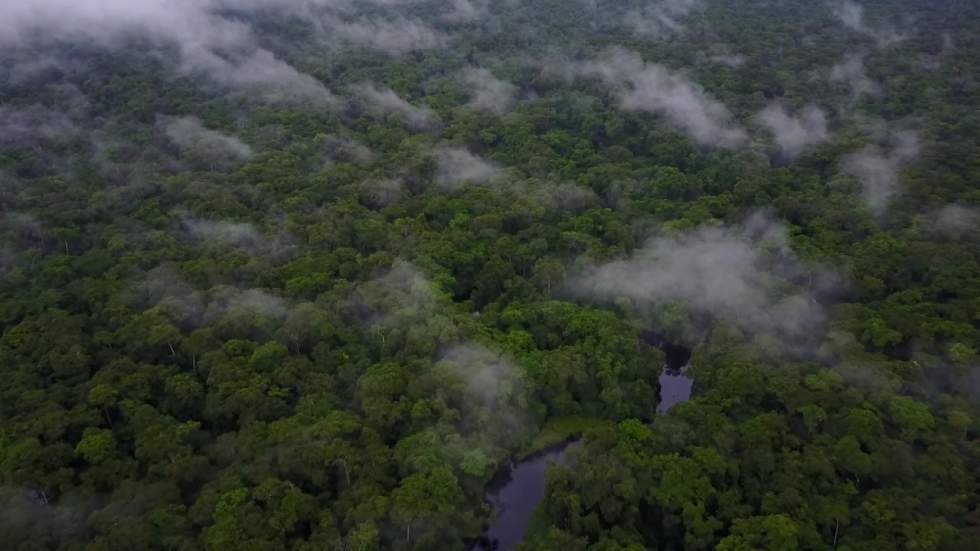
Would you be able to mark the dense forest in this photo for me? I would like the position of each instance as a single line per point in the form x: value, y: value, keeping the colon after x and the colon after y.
x: 306, y: 274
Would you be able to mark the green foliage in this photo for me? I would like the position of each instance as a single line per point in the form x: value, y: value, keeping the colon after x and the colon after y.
x: 321, y: 345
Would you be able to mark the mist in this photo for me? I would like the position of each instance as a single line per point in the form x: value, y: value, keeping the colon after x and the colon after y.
x: 792, y: 133
x: 32, y: 124
x: 457, y: 166
x: 465, y: 10
x: 741, y: 274
x: 163, y: 287
x: 651, y: 87
x: 851, y: 15
x: 489, y: 93
x: 386, y: 101
x: 660, y: 19
x: 493, y: 382
x: 236, y: 234
x: 490, y: 376
x: 224, y: 50
x: 877, y: 168
x: 728, y: 60
x: 851, y: 72
x: 392, y: 36
x: 192, y: 137
x: 381, y: 193
x: 956, y: 220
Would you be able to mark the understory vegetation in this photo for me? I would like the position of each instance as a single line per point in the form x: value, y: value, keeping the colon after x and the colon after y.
x: 306, y: 275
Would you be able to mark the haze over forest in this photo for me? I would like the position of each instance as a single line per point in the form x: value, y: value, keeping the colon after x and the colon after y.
x: 308, y: 274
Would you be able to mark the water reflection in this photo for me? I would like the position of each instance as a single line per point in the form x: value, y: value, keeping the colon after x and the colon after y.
x: 516, y: 492
x: 675, y: 387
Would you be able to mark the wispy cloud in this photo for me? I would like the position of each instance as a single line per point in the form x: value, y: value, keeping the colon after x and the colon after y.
x: 385, y: 100
x: 642, y: 86
x: 851, y: 71
x: 393, y: 36
x: 206, y: 43
x: 489, y: 93
x: 852, y: 16
x: 878, y: 168
x: 957, y: 220
x: 661, y: 18
x: 29, y: 125
x: 792, y: 133
x: 191, y: 136
x: 457, y: 166
x: 739, y: 274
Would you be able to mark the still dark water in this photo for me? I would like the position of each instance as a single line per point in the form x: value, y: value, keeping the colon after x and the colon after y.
x: 514, y: 494
x: 516, y: 491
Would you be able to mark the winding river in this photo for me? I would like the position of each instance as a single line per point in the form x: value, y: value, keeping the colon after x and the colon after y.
x: 516, y: 491
x: 514, y: 494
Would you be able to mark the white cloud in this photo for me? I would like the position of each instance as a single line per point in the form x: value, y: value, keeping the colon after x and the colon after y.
x: 385, y: 100
x: 457, y: 166
x: 393, y: 36
x: 793, y: 134
x: 237, y: 234
x: 852, y: 72
x: 729, y: 60
x: 851, y: 15
x: 660, y: 19
x: 33, y: 123
x: 878, y: 168
x: 207, y: 43
x: 735, y: 273
x: 188, y: 134
x: 489, y: 92
x: 957, y: 220
x: 652, y: 87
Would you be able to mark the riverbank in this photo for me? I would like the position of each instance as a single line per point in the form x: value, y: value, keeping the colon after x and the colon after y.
x: 558, y: 430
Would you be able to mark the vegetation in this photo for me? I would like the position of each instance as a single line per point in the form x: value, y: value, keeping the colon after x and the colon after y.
x: 306, y: 278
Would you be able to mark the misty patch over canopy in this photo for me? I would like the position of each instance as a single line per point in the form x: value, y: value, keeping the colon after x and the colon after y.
x: 851, y: 72
x: 240, y: 235
x: 26, y: 510
x: 492, y: 397
x: 192, y: 137
x: 851, y: 14
x: 466, y: 10
x: 878, y: 168
x: 403, y: 311
x: 261, y: 71
x: 489, y: 93
x: 382, y: 192
x: 396, y: 299
x: 19, y: 233
x: 956, y: 220
x: 225, y: 299
x: 386, y: 101
x: 490, y: 376
x: 237, y: 234
x: 792, y: 133
x: 163, y: 288
x: 661, y: 18
x: 395, y: 36
x: 741, y: 274
x: 343, y: 148
x: 642, y: 86
x: 32, y: 124
x: 456, y: 166
x: 207, y: 43
x: 728, y: 60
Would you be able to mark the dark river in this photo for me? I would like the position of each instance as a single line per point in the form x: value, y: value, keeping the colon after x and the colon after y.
x: 516, y: 491
x: 675, y: 385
